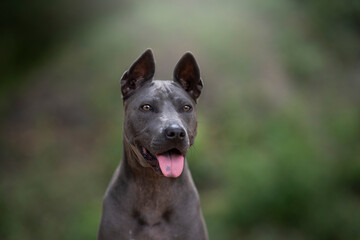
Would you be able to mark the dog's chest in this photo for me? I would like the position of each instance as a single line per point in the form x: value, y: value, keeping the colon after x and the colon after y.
x: 153, y: 212
x: 152, y: 206
x: 149, y: 216
x: 153, y: 223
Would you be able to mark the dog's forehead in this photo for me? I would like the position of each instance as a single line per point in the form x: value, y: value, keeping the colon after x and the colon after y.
x: 162, y: 86
x: 164, y: 90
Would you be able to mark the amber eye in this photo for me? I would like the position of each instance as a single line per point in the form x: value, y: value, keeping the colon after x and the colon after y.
x: 186, y: 108
x: 146, y: 107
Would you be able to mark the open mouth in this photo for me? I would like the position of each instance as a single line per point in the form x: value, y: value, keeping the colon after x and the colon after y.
x: 169, y: 163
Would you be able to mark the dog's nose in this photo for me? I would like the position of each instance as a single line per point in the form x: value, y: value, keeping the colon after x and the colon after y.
x: 174, y: 131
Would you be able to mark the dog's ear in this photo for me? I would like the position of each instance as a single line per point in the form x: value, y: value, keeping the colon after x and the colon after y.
x: 141, y: 71
x: 187, y: 73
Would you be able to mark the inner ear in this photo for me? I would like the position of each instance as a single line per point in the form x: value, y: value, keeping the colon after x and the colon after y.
x: 141, y: 71
x: 187, y: 73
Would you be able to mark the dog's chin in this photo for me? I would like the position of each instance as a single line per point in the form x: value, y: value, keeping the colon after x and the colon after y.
x: 169, y: 163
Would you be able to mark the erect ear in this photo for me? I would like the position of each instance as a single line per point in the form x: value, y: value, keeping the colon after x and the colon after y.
x: 187, y: 73
x: 141, y: 71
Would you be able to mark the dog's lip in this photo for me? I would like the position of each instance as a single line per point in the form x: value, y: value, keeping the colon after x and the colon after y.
x: 150, y: 158
x: 146, y: 150
x: 160, y: 152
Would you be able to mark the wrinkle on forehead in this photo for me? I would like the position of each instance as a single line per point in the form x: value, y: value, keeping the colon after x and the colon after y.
x: 165, y: 86
x: 168, y: 89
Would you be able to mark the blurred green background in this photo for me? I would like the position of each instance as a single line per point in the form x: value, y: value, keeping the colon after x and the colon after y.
x: 278, y: 150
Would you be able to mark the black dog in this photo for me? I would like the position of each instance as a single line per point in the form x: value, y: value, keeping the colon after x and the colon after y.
x: 152, y: 194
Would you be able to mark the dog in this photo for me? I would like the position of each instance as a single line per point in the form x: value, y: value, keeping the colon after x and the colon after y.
x: 152, y: 195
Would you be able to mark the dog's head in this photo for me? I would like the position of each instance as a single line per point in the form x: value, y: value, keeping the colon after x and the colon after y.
x: 160, y: 116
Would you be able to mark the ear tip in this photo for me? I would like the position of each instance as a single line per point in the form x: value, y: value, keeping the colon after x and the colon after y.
x: 148, y: 51
x: 189, y: 57
x: 188, y: 54
x: 147, y: 54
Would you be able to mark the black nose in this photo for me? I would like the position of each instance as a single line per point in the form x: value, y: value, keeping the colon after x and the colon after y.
x: 175, y: 132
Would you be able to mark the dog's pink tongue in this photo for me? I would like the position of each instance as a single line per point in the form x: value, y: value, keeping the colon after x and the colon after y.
x: 171, y: 164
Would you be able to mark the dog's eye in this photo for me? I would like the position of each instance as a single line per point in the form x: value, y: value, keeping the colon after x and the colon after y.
x: 146, y: 107
x: 186, y: 108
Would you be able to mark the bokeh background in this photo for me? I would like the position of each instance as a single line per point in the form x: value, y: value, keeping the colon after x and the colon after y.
x: 278, y: 150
